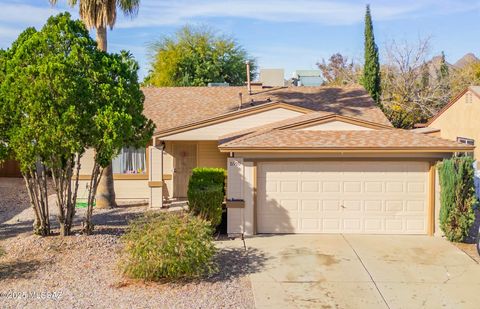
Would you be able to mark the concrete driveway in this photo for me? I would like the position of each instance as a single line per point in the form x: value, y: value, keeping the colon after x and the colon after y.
x: 360, y: 271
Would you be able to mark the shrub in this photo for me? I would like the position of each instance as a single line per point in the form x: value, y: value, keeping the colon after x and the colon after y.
x: 168, y: 246
x: 206, y: 192
x: 457, y: 197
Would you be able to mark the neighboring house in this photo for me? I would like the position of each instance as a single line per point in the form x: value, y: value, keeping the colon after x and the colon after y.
x: 459, y: 120
x: 299, y: 159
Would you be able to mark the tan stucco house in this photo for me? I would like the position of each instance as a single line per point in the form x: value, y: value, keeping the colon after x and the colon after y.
x: 299, y: 159
x: 459, y: 120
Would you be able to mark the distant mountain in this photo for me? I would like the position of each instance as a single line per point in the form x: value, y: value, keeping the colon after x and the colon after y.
x: 434, y: 63
x: 465, y: 60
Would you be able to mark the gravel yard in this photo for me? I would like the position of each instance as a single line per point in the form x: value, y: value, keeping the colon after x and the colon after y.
x: 81, y: 271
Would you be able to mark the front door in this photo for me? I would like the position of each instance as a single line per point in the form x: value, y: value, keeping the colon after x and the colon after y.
x: 185, y: 159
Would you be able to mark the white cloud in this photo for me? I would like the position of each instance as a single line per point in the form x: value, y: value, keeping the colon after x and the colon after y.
x: 14, y: 13
x: 331, y: 12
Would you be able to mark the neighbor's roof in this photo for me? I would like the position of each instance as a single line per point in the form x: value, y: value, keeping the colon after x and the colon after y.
x: 172, y: 107
x: 474, y: 89
x: 384, y: 139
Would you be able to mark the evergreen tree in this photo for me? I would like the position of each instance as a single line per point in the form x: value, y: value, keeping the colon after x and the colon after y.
x: 443, y: 72
x: 371, y: 70
x: 443, y: 76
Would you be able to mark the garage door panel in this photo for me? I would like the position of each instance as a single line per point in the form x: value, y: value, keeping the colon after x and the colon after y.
x: 416, y: 187
x: 394, y: 186
x: 416, y: 206
x: 354, y: 206
x: 350, y: 197
x: 352, y: 187
x: 331, y: 186
x: 289, y: 186
x: 374, y: 187
x: 372, y: 206
x: 310, y: 186
x: 310, y: 206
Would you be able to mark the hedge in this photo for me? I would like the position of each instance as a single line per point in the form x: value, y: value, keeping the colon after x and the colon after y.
x: 206, y: 192
x: 457, y: 197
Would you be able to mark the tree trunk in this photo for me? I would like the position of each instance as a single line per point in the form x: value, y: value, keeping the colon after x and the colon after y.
x: 102, y: 38
x: 105, y: 197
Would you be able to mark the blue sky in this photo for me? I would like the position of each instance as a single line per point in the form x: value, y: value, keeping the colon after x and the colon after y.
x: 289, y: 34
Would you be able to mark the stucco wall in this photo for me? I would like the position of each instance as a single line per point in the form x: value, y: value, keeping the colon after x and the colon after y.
x: 208, y: 155
x: 127, y: 190
x: 461, y: 120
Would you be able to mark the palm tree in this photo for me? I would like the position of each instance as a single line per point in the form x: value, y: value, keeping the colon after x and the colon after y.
x: 100, y: 14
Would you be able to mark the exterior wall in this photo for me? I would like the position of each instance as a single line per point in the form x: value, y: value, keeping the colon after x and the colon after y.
x: 125, y: 189
x: 461, y: 120
x: 335, y: 126
x: 213, y: 132
x: 208, y: 155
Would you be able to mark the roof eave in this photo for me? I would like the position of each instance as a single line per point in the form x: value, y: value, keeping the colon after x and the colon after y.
x: 346, y: 150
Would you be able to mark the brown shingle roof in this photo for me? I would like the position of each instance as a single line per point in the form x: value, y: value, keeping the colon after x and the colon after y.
x: 388, y: 139
x: 171, y: 107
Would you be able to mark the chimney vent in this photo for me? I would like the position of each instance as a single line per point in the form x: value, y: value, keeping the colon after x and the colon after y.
x: 240, y: 96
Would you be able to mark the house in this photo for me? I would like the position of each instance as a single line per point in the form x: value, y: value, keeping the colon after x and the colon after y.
x: 459, y: 119
x: 299, y: 159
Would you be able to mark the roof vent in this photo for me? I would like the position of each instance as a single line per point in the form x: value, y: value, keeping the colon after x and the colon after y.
x: 218, y: 84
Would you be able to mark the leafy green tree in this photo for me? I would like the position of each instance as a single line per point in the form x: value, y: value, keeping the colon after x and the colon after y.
x: 100, y: 15
x: 195, y: 57
x: 371, y: 69
x: 59, y: 96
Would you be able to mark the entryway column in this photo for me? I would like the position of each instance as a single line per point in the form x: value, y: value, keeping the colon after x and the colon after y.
x: 155, y: 176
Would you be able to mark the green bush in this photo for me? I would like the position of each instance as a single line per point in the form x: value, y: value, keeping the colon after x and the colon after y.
x: 168, y: 246
x: 206, y: 192
x: 457, y: 197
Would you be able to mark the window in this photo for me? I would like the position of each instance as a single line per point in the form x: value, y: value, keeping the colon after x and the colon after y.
x: 465, y: 140
x: 130, y: 161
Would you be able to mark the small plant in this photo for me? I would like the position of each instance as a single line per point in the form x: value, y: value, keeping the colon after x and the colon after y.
x: 2, y: 252
x: 206, y: 192
x: 171, y: 246
x: 457, y: 197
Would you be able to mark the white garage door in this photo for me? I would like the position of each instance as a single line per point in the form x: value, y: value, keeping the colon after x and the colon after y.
x: 342, y: 197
